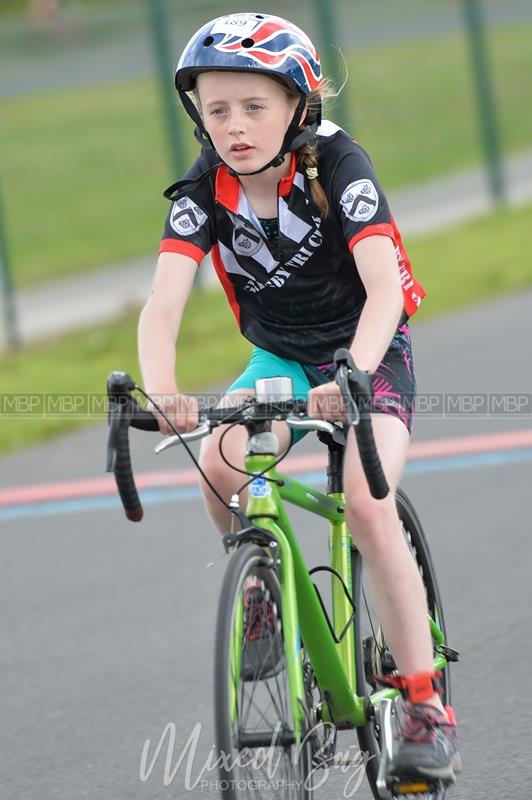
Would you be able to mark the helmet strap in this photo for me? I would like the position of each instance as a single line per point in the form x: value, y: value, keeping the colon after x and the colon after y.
x: 200, y: 133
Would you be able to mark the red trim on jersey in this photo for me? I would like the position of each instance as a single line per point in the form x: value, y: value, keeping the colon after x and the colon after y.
x: 285, y: 184
x: 183, y: 248
x: 413, y: 291
x: 227, y: 189
x: 228, y: 186
x: 228, y: 287
x: 382, y: 229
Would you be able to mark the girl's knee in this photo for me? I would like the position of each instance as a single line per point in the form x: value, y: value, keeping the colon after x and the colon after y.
x: 371, y: 521
x: 213, y: 465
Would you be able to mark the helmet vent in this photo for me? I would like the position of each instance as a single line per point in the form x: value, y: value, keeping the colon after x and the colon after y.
x: 248, y: 42
x: 208, y: 41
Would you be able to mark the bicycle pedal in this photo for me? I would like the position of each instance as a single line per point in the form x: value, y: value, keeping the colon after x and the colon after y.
x: 412, y: 788
x: 448, y: 652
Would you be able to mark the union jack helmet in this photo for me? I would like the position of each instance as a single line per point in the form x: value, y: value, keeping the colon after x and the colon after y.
x: 251, y: 42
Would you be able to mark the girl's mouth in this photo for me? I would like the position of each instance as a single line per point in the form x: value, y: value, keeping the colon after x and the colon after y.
x: 241, y: 149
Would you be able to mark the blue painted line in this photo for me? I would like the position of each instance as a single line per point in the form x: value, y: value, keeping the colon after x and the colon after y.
x: 149, y: 497
x: 493, y: 458
x: 152, y: 497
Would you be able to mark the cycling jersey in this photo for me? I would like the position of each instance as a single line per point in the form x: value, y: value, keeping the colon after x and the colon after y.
x: 299, y: 296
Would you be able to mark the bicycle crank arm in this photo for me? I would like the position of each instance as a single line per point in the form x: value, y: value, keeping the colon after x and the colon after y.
x: 384, y: 717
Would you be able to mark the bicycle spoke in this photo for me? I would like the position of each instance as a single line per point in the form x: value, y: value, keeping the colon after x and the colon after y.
x: 255, y: 707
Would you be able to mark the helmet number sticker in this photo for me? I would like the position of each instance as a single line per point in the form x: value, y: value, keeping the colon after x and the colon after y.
x: 240, y: 24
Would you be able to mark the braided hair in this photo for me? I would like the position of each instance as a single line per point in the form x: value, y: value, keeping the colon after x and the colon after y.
x: 307, y: 154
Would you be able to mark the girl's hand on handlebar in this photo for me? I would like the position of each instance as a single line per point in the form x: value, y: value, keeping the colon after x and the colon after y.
x: 181, y: 409
x: 325, y: 402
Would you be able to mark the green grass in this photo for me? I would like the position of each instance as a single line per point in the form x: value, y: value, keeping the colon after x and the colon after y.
x: 84, y: 178
x: 415, y: 104
x: 82, y: 171
x: 80, y: 363
x: 474, y: 262
x: 458, y: 267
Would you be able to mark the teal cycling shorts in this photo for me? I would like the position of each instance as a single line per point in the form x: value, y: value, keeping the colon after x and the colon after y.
x: 393, y: 383
x: 267, y: 365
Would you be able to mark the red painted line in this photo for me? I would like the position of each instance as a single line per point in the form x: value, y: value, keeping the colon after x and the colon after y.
x: 66, y: 490
x: 435, y: 448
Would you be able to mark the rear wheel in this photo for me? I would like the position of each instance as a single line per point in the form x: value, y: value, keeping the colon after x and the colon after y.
x: 255, y: 739
x: 372, y: 654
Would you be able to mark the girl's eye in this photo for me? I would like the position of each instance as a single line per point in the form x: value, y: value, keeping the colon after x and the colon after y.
x: 255, y: 107
x: 217, y: 111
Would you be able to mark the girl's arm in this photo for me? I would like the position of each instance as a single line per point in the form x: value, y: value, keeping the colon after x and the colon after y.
x: 158, y: 329
x: 378, y: 269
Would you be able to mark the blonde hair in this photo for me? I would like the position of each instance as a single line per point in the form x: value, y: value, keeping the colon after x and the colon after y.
x: 307, y: 154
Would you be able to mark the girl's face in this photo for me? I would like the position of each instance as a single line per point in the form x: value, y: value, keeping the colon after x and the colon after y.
x: 246, y: 116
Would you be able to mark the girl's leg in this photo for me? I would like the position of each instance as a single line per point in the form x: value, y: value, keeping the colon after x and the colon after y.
x: 396, y: 584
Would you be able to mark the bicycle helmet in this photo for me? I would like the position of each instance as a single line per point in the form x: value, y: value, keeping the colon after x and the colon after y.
x: 262, y: 43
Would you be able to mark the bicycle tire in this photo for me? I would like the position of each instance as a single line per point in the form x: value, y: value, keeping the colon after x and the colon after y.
x: 368, y: 734
x: 236, y: 781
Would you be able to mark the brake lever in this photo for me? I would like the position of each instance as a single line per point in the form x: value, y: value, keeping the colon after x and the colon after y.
x: 171, y: 441
x: 342, y: 379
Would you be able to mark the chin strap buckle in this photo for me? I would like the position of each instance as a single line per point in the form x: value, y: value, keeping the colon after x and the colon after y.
x: 416, y: 688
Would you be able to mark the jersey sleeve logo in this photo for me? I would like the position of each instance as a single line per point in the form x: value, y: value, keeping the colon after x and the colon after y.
x: 246, y: 240
x: 186, y: 217
x: 360, y: 201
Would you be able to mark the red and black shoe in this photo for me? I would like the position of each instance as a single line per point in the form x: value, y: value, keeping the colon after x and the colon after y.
x: 428, y: 744
x: 262, y: 643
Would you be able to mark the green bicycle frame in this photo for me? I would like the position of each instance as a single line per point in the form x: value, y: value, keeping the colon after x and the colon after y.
x: 303, y: 616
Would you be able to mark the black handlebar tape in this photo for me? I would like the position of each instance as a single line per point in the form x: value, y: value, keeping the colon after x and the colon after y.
x: 378, y: 485
x: 124, y: 474
x: 360, y: 388
x: 142, y: 419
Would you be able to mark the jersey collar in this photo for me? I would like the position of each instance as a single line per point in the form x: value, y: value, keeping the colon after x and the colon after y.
x: 227, y: 187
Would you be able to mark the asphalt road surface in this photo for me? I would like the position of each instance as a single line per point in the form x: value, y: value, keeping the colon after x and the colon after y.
x: 107, y: 627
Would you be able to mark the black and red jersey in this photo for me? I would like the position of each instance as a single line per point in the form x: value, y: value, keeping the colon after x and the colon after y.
x: 300, y: 299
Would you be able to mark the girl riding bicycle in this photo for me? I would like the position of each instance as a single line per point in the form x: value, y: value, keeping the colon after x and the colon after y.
x: 308, y: 253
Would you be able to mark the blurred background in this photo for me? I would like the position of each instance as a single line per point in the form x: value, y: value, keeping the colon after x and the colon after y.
x: 91, y: 133
x: 106, y: 628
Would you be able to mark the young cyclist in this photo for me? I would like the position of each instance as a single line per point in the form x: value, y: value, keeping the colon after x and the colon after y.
x: 310, y: 258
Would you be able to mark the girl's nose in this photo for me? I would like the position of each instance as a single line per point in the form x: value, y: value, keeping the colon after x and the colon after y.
x: 236, y: 123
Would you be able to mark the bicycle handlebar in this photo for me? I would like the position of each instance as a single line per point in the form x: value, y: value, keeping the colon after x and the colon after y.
x: 355, y: 386
x: 124, y: 411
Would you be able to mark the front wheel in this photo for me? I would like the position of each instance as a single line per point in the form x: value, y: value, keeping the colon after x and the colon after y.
x: 259, y: 753
x: 372, y: 654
